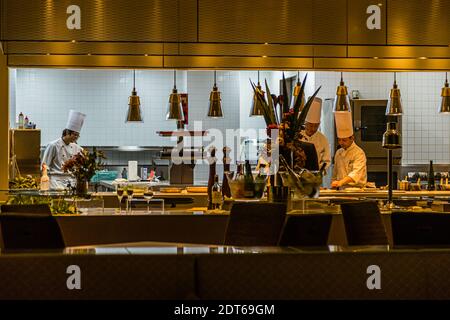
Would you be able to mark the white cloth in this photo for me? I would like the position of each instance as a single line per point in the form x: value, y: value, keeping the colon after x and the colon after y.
x: 315, y: 111
x: 75, y: 121
x: 350, y: 163
x: 322, y: 147
x: 55, y: 155
x: 344, y: 124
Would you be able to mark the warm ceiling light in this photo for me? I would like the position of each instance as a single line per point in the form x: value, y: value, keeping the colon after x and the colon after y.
x: 394, y: 107
x: 88, y: 54
x: 215, y: 102
x: 257, y: 108
x: 296, y: 92
x: 134, y: 104
x: 48, y: 54
x: 375, y: 57
x: 73, y: 41
x: 445, y: 103
x: 146, y: 55
x: 342, y: 101
x: 174, y: 108
x: 266, y: 43
x: 423, y: 58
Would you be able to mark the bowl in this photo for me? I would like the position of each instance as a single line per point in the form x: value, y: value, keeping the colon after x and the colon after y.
x: 238, y: 190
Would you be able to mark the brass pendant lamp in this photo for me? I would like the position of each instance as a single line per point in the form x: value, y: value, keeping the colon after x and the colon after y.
x: 215, y: 102
x: 445, y: 103
x: 296, y: 92
x: 174, y: 108
x: 257, y: 108
x: 394, y: 107
x: 134, y: 104
x: 342, y: 101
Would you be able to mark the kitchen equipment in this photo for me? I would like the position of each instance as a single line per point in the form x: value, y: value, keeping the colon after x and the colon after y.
x: 133, y: 171
x: 25, y: 152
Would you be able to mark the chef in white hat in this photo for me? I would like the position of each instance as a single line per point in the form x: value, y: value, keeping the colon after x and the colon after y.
x: 61, y: 150
x: 312, y: 134
x: 350, y: 160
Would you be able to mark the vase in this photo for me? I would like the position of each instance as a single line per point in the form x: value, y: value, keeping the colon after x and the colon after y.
x: 81, y: 187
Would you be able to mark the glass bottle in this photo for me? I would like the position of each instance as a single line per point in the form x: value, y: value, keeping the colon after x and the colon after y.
x: 431, y: 186
x: 216, y: 194
x: 260, y: 181
x: 21, y: 120
x: 249, y: 185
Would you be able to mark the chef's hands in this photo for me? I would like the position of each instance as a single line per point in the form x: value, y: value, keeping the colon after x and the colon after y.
x: 336, y: 184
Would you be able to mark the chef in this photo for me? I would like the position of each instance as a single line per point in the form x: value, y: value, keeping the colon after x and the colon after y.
x: 350, y: 160
x: 312, y: 134
x: 61, y: 150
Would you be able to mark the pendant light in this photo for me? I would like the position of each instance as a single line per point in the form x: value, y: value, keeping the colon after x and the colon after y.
x: 134, y: 104
x: 394, y: 107
x: 445, y: 104
x: 257, y: 108
x: 342, y: 101
x: 174, y: 108
x: 296, y: 92
x: 215, y: 102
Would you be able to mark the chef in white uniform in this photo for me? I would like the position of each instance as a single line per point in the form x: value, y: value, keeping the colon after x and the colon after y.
x: 312, y: 134
x: 350, y: 164
x: 61, y: 150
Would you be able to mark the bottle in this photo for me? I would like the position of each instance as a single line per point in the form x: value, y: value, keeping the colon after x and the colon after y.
x: 216, y: 194
x: 260, y: 181
x: 249, y: 184
x: 21, y: 120
x: 226, y: 192
x: 45, y: 181
x: 212, y: 174
x: 26, y: 122
x: 431, y: 185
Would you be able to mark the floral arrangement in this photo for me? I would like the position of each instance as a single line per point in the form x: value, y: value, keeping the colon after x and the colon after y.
x: 84, y: 165
x: 288, y: 120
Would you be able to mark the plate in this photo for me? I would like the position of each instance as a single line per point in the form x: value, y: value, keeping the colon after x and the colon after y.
x: 197, y: 189
x: 170, y: 190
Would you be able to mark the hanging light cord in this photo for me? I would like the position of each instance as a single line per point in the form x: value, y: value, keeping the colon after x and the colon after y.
x: 342, y: 78
x: 258, y: 77
x: 446, y: 79
x: 215, y: 78
x: 134, y: 80
x: 174, y: 79
x: 395, y: 77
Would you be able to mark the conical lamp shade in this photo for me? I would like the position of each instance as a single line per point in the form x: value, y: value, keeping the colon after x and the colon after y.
x: 445, y: 104
x: 257, y: 108
x: 295, y: 94
x: 391, y: 138
x: 174, y: 108
x: 342, y: 101
x: 134, y: 104
x: 134, y: 108
x: 394, y: 107
x: 215, y: 104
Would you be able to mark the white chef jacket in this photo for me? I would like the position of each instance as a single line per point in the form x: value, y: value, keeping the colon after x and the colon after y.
x: 322, y: 147
x: 350, y: 163
x: 55, y: 155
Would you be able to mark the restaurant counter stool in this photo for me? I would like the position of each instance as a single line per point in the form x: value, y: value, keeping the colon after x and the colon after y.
x: 306, y: 230
x: 255, y: 224
x: 363, y: 224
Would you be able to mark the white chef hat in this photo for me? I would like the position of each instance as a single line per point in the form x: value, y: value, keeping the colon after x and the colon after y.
x: 315, y: 111
x: 344, y: 124
x: 75, y: 121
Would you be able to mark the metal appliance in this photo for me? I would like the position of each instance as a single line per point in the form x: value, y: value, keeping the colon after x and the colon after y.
x: 25, y: 152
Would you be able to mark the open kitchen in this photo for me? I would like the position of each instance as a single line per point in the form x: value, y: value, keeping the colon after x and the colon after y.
x: 174, y: 129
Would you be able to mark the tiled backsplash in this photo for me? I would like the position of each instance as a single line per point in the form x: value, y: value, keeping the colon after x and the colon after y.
x: 46, y: 96
x: 425, y: 132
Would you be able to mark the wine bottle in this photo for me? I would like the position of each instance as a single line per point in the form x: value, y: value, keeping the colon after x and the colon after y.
x: 260, y: 181
x: 249, y: 185
x: 431, y: 185
x: 212, y: 174
x: 216, y: 194
x: 226, y: 192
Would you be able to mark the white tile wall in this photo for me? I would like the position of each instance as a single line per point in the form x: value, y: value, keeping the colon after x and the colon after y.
x: 46, y: 95
x: 425, y: 132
